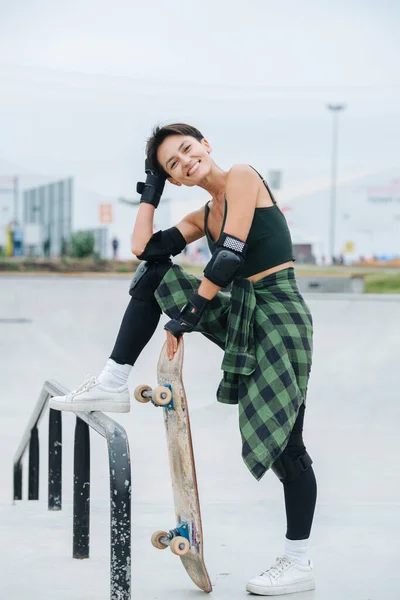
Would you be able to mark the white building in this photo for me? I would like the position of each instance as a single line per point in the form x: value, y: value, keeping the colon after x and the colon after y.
x: 367, y: 220
x: 367, y: 213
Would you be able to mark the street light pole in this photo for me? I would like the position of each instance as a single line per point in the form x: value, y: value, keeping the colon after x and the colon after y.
x: 335, y: 109
x: 16, y: 198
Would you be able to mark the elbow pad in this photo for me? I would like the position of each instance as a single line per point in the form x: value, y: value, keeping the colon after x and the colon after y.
x: 163, y: 244
x: 226, y: 260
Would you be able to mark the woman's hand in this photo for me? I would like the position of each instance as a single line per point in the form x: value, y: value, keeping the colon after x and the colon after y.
x: 172, y: 345
x: 187, y: 320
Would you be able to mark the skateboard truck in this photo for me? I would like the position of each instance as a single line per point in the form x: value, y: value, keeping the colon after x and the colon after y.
x: 177, y: 539
x: 160, y: 396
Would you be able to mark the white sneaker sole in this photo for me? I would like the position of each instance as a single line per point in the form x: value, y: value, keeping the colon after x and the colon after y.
x: 280, y: 590
x: 98, y: 405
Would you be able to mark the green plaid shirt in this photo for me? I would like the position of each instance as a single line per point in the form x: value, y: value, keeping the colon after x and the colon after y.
x: 265, y: 330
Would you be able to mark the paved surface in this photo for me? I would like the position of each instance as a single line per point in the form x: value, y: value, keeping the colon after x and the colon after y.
x: 351, y: 431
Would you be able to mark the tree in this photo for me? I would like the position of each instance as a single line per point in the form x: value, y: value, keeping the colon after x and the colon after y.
x: 82, y: 244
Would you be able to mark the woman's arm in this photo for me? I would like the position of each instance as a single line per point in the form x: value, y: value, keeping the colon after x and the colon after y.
x: 191, y: 227
x: 241, y: 195
x: 143, y: 228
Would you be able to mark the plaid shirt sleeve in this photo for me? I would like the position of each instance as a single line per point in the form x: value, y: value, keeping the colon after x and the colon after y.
x: 265, y: 330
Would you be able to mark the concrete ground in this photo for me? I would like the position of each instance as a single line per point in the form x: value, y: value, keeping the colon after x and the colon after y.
x: 67, y: 328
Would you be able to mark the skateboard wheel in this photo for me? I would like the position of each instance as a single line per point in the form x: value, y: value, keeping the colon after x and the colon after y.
x: 155, y: 539
x: 162, y: 395
x: 138, y: 393
x: 180, y: 546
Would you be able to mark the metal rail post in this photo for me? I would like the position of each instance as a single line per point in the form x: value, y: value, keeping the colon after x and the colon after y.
x: 81, y: 521
x: 120, y: 518
x: 33, y: 486
x: 55, y: 460
x: 120, y: 481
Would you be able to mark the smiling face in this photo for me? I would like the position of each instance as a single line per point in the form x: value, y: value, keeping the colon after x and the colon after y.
x: 186, y: 160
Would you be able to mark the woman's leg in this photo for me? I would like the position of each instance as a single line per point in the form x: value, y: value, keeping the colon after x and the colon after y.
x: 109, y: 392
x: 137, y: 327
x: 301, y: 491
x: 292, y: 572
x: 142, y: 314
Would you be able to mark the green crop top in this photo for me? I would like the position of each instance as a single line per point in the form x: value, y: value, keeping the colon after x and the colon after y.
x: 269, y: 242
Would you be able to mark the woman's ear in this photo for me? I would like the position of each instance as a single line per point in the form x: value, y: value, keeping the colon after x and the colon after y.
x: 173, y: 181
x: 207, y: 145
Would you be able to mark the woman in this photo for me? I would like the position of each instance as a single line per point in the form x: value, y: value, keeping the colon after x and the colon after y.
x: 264, y: 326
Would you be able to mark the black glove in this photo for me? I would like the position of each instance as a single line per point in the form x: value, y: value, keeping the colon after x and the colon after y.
x: 153, y: 187
x: 189, y: 316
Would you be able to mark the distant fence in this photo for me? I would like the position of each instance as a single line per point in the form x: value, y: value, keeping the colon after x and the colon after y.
x: 120, y: 481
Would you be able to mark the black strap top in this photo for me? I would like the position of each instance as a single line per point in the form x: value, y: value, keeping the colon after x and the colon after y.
x: 269, y: 242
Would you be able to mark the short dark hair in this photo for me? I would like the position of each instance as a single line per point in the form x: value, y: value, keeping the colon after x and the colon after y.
x: 161, y: 133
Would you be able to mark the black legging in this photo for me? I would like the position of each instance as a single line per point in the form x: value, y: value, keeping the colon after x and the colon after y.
x: 141, y: 316
x: 138, y: 325
x: 301, y: 493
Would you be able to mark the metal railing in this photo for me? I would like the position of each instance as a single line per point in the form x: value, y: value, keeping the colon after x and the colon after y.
x: 120, y: 481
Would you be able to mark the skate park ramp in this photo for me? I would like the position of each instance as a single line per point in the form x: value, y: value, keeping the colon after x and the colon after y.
x: 63, y: 328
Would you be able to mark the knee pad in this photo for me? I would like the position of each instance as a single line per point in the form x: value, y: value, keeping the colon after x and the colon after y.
x: 147, y: 278
x: 287, y: 468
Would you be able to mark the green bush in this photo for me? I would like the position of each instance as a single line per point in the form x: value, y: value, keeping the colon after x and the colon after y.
x: 123, y: 269
x: 82, y: 244
x: 9, y: 265
x: 382, y: 283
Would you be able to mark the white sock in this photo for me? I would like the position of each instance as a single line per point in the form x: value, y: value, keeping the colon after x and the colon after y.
x: 297, y: 550
x: 114, y: 375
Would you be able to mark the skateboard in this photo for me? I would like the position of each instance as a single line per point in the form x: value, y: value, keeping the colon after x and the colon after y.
x: 186, y: 539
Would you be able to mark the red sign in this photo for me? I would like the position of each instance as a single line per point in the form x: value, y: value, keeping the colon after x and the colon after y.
x: 106, y: 215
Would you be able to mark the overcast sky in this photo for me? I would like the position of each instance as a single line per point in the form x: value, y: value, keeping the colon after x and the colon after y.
x: 83, y: 82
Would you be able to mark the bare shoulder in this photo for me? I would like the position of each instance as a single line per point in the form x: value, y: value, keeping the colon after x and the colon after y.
x: 241, y: 170
x: 242, y: 178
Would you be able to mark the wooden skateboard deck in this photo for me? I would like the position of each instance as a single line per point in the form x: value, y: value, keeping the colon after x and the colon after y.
x: 183, y: 471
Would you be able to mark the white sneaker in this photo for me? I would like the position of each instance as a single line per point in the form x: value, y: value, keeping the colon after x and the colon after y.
x: 91, y: 396
x: 284, y: 577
